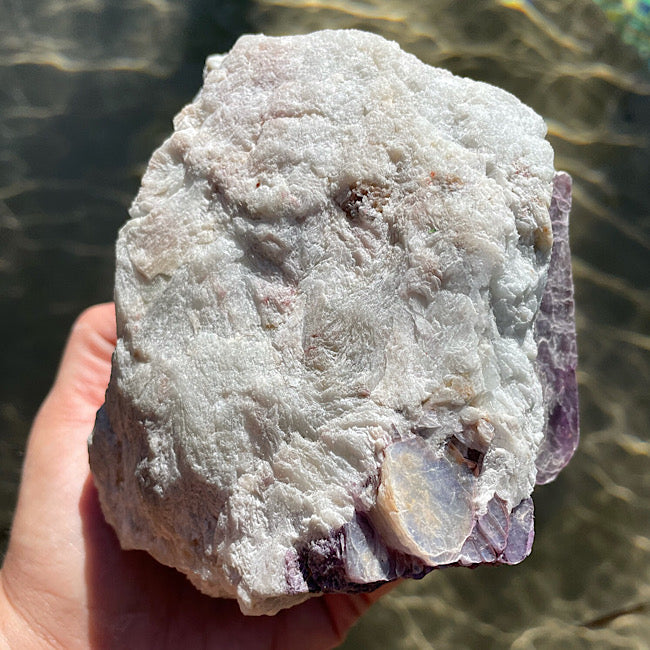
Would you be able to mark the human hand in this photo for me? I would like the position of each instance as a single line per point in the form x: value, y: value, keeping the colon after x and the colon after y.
x: 66, y: 583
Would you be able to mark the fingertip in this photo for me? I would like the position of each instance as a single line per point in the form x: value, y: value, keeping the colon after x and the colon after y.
x: 98, y: 319
x: 85, y: 367
x: 93, y: 334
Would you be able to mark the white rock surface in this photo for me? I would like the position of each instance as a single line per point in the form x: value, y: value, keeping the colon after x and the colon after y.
x: 325, y: 297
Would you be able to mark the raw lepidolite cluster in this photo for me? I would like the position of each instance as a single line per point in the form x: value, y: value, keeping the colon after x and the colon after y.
x: 346, y: 345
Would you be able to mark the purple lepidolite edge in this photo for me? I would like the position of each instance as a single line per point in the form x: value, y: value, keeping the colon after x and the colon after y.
x: 557, y: 351
x: 356, y: 557
x: 500, y: 536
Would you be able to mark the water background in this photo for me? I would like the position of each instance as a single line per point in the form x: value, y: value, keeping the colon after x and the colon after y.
x: 87, y: 92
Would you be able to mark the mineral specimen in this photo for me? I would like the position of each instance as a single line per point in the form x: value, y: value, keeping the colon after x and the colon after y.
x: 327, y: 372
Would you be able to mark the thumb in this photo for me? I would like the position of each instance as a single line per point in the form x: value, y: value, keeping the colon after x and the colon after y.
x: 46, y: 542
x: 56, y: 462
x: 56, y: 453
x: 83, y: 374
x: 57, y: 442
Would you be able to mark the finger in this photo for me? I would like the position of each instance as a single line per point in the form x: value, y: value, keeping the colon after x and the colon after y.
x: 57, y: 443
x: 84, y: 371
x: 56, y: 453
x: 46, y: 538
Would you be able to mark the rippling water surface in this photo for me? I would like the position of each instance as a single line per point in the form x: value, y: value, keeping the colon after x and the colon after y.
x: 87, y: 91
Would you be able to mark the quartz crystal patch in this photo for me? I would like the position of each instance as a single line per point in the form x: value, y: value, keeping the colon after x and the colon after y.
x: 425, y: 502
x: 346, y: 341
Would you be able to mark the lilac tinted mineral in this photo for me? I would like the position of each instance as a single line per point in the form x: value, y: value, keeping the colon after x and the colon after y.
x: 369, y: 559
x: 489, y: 536
x: 520, y: 534
x: 556, y: 342
x: 296, y: 583
x: 500, y: 536
x: 366, y: 556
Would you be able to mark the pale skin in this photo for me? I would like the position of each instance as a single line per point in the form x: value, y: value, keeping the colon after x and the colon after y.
x: 66, y: 583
